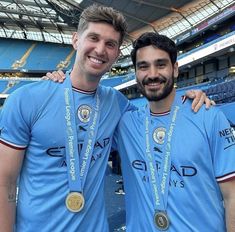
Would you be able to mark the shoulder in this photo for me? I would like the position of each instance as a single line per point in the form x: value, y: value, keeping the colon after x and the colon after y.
x: 187, y: 108
x: 205, y: 118
x: 109, y: 91
x: 43, y: 86
x: 36, y: 88
x: 114, y: 98
x: 135, y: 116
x: 33, y: 95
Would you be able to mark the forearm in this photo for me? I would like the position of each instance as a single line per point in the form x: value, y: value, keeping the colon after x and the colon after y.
x: 230, y: 215
x: 7, y: 207
x: 10, y: 165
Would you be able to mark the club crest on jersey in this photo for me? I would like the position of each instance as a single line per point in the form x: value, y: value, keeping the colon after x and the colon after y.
x: 159, y: 135
x: 84, y: 113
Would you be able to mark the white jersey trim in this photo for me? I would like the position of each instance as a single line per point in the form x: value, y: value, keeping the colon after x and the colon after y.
x: 226, y: 177
x: 12, y: 145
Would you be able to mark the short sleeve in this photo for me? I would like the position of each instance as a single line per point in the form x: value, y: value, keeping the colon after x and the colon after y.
x: 15, y: 120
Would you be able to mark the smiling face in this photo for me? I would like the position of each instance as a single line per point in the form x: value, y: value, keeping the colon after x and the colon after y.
x: 97, y: 49
x: 155, y: 73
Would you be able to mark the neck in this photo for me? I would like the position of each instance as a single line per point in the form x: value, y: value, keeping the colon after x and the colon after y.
x: 163, y: 105
x: 83, y: 82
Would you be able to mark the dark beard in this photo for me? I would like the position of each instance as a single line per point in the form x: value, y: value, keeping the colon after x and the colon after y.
x: 165, y: 92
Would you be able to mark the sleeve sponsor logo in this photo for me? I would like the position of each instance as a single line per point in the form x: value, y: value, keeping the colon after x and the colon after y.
x: 229, y: 135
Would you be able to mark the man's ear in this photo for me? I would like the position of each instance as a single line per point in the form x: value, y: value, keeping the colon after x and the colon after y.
x: 75, y: 40
x: 176, y: 70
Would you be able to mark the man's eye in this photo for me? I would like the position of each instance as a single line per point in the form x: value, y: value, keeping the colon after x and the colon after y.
x: 161, y: 65
x: 111, y: 45
x: 142, y: 67
x: 93, y: 38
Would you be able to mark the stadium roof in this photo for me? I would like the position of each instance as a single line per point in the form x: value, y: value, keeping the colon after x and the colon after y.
x: 55, y: 20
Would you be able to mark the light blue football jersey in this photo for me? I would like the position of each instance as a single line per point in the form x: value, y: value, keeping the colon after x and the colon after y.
x: 202, y: 154
x: 33, y: 119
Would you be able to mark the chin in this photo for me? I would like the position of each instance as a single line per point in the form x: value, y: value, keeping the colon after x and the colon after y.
x: 96, y: 72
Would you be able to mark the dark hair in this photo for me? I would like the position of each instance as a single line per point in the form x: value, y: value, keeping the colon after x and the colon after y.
x: 103, y: 14
x: 159, y: 41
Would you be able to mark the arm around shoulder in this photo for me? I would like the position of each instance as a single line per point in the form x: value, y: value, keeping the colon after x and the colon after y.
x: 10, y: 165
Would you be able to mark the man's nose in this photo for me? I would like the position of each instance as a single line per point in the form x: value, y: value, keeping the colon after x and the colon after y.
x: 100, y: 48
x: 153, y: 72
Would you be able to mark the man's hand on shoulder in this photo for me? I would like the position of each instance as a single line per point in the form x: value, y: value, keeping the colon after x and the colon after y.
x: 56, y: 76
x: 199, y: 98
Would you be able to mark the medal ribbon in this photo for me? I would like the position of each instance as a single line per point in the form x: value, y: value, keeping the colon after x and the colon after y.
x: 160, y: 182
x: 77, y: 177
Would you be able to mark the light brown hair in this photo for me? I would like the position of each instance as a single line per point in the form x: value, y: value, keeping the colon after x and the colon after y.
x: 103, y: 14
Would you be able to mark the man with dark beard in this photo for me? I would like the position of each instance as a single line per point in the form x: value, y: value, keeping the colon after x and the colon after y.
x: 178, y: 166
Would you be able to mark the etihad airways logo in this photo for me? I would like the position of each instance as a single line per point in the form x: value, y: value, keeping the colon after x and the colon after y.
x: 183, y: 170
x: 178, y: 174
x: 59, y: 152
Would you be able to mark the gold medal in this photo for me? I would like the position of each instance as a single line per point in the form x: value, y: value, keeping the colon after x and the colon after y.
x: 161, y: 220
x: 75, y: 202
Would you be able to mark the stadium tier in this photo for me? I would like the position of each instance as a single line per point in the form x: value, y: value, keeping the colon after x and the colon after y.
x: 32, y: 56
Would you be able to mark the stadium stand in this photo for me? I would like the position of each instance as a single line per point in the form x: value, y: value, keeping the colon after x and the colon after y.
x: 47, y: 56
x: 228, y: 110
x: 223, y: 92
x: 11, y: 51
x: 31, y: 56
